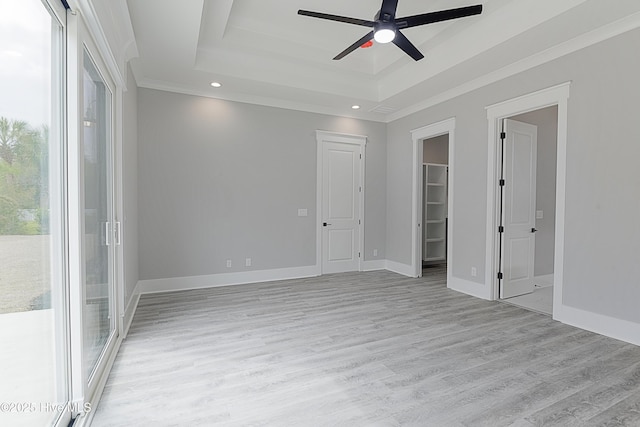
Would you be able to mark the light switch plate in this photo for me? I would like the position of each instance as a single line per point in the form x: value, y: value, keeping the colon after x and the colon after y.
x: 303, y: 212
x: 539, y: 214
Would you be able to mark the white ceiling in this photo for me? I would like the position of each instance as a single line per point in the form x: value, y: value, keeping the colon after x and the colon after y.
x: 263, y: 52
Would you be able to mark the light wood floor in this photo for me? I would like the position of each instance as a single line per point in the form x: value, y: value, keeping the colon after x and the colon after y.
x: 362, y: 349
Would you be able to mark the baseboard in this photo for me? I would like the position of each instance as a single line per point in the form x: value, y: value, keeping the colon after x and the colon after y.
x: 622, y: 330
x: 373, y: 265
x: 478, y: 290
x: 397, y: 267
x: 130, y: 310
x: 224, y: 279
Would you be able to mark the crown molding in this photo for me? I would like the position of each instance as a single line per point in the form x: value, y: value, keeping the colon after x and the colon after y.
x: 603, y: 33
x: 263, y: 101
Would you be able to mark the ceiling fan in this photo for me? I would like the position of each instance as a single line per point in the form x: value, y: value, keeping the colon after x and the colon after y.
x: 386, y: 27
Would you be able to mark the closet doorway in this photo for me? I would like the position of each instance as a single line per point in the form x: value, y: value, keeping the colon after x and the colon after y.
x: 435, y: 180
x: 433, y: 202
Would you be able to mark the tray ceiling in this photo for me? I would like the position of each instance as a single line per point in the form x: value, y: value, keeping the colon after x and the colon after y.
x: 262, y: 52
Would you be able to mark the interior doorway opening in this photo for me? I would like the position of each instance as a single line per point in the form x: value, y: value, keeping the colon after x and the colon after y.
x: 527, y: 194
x: 435, y: 180
x: 553, y: 96
x: 442, y: 197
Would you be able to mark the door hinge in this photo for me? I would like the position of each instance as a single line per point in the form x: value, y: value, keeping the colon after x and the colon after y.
x: 501, y: 229
x: 358, y: 254
x: 499, y: 275
x: 360, y: 156
x: 359, y: 222
x: 501, y: 183
x: 503, y: 135
x: 360, y: 189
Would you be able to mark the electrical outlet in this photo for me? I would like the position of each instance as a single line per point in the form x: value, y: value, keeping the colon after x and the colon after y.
x: 539, y: 214
x: 474, y: 272
x: 303, y: 212
x: 228, y: 263
x: 247, y: 262
x: 375, y: 252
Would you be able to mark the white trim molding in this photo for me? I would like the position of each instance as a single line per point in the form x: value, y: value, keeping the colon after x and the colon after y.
x: 130, y: 310
x: 117, y: 24
x: 444, y: 127
x: 374, y: 265
x: 619, y: 329
x: 474, y: 289
x: 400, y: 268
x: 598, y: 35
x: 555, y: 95
x: 223, y: 279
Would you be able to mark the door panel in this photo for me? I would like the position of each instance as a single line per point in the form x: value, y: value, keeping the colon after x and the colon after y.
x: 341, y: 245
x: 518, y: 250
x: 341, y: 207
x: 341, y: 197
x: 519, y: 208
x: 34, y: 309
x: 98, y: 311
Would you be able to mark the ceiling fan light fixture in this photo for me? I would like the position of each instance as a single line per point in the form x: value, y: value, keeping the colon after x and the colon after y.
x: 386, y: 26
x: 384, y: 34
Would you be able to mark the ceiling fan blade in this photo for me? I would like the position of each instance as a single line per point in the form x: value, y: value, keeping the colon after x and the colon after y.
x: 388, y: 7
x: 347, y: 51
x: 443, y: 15
x: 403, y: 43
x: 355, y: 21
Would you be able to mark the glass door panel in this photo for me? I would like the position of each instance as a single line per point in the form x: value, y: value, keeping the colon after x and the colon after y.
x: 98, y: 318
x: 34, y: 386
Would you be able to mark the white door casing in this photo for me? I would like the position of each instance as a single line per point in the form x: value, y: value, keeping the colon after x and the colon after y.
x: 554, y: 95
x: 418, y: 136
x: 341, y: 170
x: 518, y: 239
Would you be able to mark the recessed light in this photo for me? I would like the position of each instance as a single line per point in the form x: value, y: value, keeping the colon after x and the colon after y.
x: 355, y: 107
x: 215, y: 84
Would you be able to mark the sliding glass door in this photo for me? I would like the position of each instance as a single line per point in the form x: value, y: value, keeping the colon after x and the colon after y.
x: 99, y: 325
x: 34, y: 356
x: 58, y: 238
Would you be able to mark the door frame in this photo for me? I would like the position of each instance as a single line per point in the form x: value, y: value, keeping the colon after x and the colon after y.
x: 555, y: 95
x: 340, y: 138
x: 418, y: 136
x: 85, y: 388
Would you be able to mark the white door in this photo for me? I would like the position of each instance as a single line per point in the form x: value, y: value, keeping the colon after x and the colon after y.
x: 341, y: 191
x: 518, y: 239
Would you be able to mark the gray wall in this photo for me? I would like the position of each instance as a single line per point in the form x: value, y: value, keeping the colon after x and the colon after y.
x: 224, y: 180
x: 602, y: 236
x: 436, y: 150
x: 130, y: 184
x: 546, y: 120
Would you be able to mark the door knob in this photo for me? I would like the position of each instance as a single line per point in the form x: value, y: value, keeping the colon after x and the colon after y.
x: 324, y: 224
x: 533, y: 230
